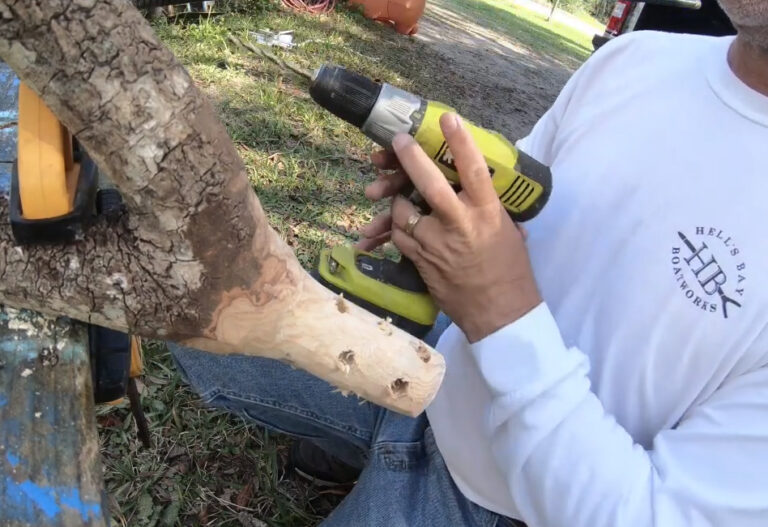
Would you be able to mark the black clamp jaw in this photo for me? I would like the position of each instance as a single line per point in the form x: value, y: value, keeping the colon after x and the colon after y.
x: 59, y: 229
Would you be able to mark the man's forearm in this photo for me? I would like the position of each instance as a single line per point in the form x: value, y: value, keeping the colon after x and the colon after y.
x: 568, y: 463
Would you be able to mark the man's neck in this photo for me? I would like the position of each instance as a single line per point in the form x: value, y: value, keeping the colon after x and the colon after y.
x: 750, y: 64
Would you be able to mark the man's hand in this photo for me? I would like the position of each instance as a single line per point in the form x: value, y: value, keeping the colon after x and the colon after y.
x: 468, y: 251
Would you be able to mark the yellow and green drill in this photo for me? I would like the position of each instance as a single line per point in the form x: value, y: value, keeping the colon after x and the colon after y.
x: 393, y: 288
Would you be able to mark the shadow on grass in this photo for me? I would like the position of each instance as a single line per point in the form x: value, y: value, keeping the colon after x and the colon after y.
x: 510, y: 103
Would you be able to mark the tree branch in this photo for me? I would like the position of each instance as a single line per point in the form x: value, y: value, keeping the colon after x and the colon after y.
x: 194, y: 260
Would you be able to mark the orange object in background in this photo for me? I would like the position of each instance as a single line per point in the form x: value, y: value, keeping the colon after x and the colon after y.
x: 47, y: 171
x: 404, y: 14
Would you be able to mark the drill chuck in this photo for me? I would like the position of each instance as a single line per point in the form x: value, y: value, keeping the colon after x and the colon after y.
x: 381, y: 111
x: 345, y: 94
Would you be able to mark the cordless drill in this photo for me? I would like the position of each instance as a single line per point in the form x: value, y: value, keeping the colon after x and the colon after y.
x: 390, y: 288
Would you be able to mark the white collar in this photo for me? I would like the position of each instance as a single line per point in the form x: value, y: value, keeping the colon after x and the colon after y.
x: 731, y: 90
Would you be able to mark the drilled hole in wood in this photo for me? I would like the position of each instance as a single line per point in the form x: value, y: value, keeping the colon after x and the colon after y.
x: 386, y: 326
x: 347, y: 357
x: 48, y: 357
x: 399, y: 386
x: 341, y: 305
x: 423, y: 352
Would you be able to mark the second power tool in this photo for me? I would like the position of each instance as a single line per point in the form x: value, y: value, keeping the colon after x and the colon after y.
x: 381, y: 111
x: 56, y: 194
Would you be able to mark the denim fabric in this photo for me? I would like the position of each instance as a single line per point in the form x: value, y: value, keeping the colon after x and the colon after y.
x: 404, y: 482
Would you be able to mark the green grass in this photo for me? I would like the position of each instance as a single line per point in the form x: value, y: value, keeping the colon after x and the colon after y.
x: 579, y: 12
x: 592, y: 21
x: 308, y: 169
x: 528, y: 28
x: 204, y: 467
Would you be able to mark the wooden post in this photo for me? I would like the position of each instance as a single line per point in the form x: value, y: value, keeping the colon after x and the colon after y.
x: 50, y: 474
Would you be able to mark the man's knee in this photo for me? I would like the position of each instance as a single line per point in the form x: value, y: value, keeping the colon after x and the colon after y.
x: 275, y: 395
x: 245, y: 377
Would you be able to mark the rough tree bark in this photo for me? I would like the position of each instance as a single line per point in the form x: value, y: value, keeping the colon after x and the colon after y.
x: 193, y: 260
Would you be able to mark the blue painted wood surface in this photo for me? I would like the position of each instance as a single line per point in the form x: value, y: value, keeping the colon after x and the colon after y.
x: 50, y: 473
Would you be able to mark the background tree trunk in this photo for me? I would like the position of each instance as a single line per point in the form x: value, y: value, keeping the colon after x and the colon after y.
x: 555, y: 3
x: 193, y: 259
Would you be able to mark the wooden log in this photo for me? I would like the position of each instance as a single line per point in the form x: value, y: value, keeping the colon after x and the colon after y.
x: 193, y: 260
x: 50, y: 473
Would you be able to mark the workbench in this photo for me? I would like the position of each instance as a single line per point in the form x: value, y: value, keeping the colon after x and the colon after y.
x: 50, y: 471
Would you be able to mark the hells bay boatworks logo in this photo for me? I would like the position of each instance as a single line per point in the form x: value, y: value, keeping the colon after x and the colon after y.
x: 709, y: 270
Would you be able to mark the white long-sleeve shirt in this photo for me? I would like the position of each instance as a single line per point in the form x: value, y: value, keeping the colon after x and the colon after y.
x: 637, y: 393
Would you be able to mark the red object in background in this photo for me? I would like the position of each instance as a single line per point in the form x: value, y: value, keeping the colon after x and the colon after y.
x: 404, y: 15
x: 618, y: 17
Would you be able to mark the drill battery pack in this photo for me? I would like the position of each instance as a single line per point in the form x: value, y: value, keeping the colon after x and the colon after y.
x: 386, y: 288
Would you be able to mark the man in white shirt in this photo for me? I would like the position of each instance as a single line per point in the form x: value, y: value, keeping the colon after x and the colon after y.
x: 612, y: 370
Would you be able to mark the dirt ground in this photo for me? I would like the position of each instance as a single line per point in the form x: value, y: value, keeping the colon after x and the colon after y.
x: 504, y: 86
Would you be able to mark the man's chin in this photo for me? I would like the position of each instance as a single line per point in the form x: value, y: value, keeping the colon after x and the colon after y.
x: 747, y: 13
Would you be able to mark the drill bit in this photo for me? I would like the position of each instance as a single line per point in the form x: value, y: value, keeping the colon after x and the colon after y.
x: 272, y: 57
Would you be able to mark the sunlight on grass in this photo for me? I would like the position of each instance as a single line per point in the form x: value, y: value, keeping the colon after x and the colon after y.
x: 592, y: 21
x: 528, y: 27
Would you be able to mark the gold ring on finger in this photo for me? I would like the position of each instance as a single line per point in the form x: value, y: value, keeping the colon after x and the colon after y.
x: 410, y: 225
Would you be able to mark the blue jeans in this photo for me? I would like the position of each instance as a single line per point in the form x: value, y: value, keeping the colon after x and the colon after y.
x: 404, y: 482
